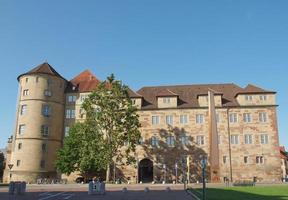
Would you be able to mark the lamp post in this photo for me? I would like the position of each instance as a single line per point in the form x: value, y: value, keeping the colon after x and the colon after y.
x: 10, y: 167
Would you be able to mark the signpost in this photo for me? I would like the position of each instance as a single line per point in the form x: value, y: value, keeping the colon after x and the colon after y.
x: 10, y: 167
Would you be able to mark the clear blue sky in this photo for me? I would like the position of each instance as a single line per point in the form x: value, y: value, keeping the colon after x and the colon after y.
x: 148, y: 42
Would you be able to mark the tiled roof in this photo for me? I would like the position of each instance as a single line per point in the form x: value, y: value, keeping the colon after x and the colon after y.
x: 187, y: 94
x: 252, y: 89
x: 44, y: 68
x: 84, y: 82
x: 133, y: 94
x: 166, y: 93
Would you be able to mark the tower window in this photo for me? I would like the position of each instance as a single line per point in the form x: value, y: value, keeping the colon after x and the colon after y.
x: 18, y: 163
x: 71, y: 98
x: 44, y: 147
x: 224, y: 159
x: 44, y: 130
x: 19, y: 146
x: 37, y: 79
x: 46, y: 110
x: 47, y: 93
x: 23, y: 109
x: 27, y: 79
x: 42, y: 164
x: 25, y: 92
x: 21, y: 129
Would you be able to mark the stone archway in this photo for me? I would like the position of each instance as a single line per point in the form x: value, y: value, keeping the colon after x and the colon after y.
x: 145, y: 171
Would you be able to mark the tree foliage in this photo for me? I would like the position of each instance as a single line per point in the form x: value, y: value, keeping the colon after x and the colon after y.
x: 2, y: 164
x: 109, y: 132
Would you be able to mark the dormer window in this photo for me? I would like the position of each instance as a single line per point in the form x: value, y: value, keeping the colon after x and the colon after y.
x: 248, y: 97
x: 133, y: 101
x: 166, y: 100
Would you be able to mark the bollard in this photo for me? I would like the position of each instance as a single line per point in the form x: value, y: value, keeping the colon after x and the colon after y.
x: 18, y: 188
x: 124, y: 190
x: 168, y: 189
x: 90, y: 188
x: 146, y: 190
x: 11, y: 187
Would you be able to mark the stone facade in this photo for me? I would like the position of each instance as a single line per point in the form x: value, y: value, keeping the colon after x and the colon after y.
x: 175, y: 130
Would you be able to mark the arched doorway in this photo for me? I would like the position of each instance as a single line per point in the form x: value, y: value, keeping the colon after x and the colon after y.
x: 145, y: 171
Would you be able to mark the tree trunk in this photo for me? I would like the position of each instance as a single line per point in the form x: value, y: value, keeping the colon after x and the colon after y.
x: 108, y: 173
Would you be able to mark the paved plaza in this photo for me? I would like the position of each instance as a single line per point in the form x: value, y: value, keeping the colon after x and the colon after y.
x: 65, y: 192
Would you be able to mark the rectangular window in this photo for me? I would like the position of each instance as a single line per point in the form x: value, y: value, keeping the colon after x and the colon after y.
x: 46, y: 110
x: 83, y: 97
x: 246, y: 159
x: 170, y: 141
x: 233, y: 118
x: 19, y: 146
x: 27, y: 79
x: 44, y: 130
x: 23, y: 109
x: 169, y: 119
x: 183, y: 119
x: 263, y: 97
x: 44, y: 147
x: 234, y: 139
x: 18, y: 163
x: 70, y: 114
x: 166, y: 100
x: 71, y: 98
x: 248, y: 139
x: 199, y: 119
x: 67, y: 128
x: 224, y: 159
x: 37, y: 79
x: 154, y: 141
x: 42, y: 164
x: 133, y: 101
x: 264, y: 138
x: 248, y: 97
x: 25, y: 92
x: 47, y: 93
x: 155, y: 120
x: 200, y: 140
x: 184, y: 140
x: 263, y: 117
x: 259, y: 160
x: 247, y: 117
x: 21, y: 129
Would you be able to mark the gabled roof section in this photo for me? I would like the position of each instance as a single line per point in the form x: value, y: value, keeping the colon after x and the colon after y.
x: 252, y: 89
x: 44, y: 68
x: 86, y: 81
x: 166, y: 93
x: 133, y: 94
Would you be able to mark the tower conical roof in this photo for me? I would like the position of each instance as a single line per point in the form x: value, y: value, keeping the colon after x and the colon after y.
x: 43, y: 68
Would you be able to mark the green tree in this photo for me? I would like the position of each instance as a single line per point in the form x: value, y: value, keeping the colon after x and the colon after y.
x: 110, y: 132
x: 2, y: 164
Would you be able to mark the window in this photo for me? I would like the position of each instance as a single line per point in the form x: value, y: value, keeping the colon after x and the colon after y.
x: 184, y: 140
x: 27, y: 79
x: 248, y: 97
x: 19, y: 146
x: 70, y: 114
x: 47, y: 93
x: 37, y: 79
x: 233, y: 117
x: 44, y: 147
x: 183, y: 119
x: 154, y: 141
x: 141, y: 141
x: 166, y: 100
x: 25, y: 92
x: 155, y: 120
x: 200, y: 140
x: 224, y: 159
x: 246, y: 159
x: 199, y: 119
x: 248, y: 139
x: 67, y: 128
x: 263, y: 97
x: 83, y: 97
x: 170, y: 141
x: 23, y: 109
x: 71, y: 98
x: 169, y: 119
x: 264, y: 138
x: 259, y: 160
x: 21, y: 129
x: 263, y: 117
x: 46, y: 110
x: 18, y: 163
x: 42, y: 164
x: 44, y: 130
x: 247, y: 117
x: 217, y: 117
x: 133, y: 101
x: 234, y: 139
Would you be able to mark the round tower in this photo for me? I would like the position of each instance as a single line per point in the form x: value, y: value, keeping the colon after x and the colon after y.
x: 39, y: 124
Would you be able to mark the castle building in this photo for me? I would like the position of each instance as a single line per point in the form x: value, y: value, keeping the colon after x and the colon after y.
x: 176, y: 127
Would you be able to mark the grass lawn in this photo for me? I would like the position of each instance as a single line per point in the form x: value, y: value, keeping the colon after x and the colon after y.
x: 246, y: 193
